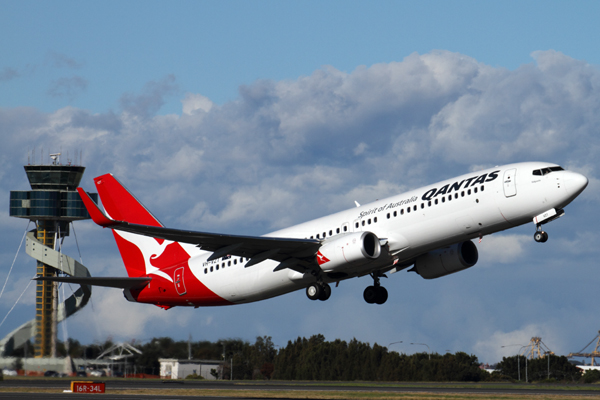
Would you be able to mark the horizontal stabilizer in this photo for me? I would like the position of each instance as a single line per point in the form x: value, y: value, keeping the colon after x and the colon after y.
x: 121, y: 283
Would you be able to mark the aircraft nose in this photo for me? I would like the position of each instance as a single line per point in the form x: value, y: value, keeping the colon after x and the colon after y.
x: 576, y: 183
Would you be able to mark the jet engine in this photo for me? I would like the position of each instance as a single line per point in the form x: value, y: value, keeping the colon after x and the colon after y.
x: 347, y: 251
x: 447, y: 260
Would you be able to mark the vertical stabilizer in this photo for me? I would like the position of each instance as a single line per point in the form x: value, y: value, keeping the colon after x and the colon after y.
x: 141, y: 255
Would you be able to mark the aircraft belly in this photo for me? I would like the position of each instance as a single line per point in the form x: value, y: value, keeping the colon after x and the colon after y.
x: 238, y: 284
x: 260, y: 282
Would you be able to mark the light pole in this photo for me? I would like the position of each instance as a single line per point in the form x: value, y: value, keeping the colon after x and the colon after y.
x: 424, y: 344
x: 519, y: 360
x: 393, y: 343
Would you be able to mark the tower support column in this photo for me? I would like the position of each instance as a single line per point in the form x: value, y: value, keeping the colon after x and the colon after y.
x: 46, y: 296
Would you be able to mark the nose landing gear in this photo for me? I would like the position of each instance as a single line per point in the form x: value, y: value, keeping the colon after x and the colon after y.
x: 375, y: 294
x: 540, y: 236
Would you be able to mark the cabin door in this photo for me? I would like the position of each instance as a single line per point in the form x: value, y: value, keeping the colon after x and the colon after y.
x: 178, y: 279
x: 510, y: 187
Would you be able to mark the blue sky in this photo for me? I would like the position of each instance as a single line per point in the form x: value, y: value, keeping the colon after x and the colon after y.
x: 213, y: 47
x: 246, y: 117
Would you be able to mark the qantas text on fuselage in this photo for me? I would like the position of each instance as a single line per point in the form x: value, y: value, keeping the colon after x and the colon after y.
x: 429, y: 229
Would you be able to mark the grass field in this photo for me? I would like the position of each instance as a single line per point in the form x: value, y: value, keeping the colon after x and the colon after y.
x: 364, y: 390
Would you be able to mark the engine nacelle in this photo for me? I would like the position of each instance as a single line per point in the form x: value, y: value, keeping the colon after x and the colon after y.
x: 447, y: 260
x: 347, y: 251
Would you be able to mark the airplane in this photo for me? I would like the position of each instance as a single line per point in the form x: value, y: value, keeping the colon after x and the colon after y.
x: 429, y: 229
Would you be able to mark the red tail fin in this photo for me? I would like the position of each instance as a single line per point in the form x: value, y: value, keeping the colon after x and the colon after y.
x: 121, y: 205
x: 141, y: 254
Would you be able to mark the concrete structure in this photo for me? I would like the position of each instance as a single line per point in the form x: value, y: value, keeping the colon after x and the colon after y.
x: 172, y: 368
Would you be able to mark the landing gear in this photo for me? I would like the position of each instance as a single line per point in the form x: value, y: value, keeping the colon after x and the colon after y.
x: 375, y: 294
x: 318, y: 291
x: 540, y: 236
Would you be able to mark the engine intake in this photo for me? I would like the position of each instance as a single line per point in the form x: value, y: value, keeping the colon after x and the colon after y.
x: 447, y: 260
x: 347, y: 251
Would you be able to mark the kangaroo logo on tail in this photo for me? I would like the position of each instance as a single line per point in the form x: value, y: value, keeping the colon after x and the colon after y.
x: 142, y: 255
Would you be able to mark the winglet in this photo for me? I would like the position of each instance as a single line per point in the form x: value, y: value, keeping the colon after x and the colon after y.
x: 97, y: 215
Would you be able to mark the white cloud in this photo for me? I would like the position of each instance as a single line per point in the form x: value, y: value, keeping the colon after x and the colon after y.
x: 287, y: 151
x: 492, y: 348
x: 502, y: 248
x: 196, y: 102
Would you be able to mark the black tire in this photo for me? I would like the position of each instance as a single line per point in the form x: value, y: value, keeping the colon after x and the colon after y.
x: 314, y: 291
x: 370, y: 294
x: 538, y: 237
x: 382, y: 295
x: 325, y: 292
x: 544, y: 237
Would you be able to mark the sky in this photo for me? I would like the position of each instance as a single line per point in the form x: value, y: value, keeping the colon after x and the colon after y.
x: 247, y: 117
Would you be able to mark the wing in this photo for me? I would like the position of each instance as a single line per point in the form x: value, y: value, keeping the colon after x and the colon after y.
x: 297, y: 254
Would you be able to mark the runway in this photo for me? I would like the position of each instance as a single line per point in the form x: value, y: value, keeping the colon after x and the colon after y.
x: 153, y: 389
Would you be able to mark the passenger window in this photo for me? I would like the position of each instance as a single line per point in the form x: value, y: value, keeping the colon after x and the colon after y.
x: 482, y: 187
x: 357, y: 224
x: 462, y: 194
x: 337, y: 230
x: 469, y: 192
x: 456, y: 195
x: 318, y: 236
x: 436, y: 202
x: 443, y: 199
x: 475, y: 190
x: 211, y: 269
x: 388, y: 215
x: 369, y: 221
x: 375, y: 220
x: 330, y: 233
x: 229, y: 263
x: 415, y: 208
x: 235, y: 261
x: 429, y: 203
x: 205, y: 270
x: 408, y: 210
x: 422, y: 206
x: 324, y: 235
x: 345, y: 228
x: 363, y: 223
x: 450, y: 198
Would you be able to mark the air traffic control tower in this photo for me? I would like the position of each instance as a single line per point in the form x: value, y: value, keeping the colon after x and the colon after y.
x: 52, y: 204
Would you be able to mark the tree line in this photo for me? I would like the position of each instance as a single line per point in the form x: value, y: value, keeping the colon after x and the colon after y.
x: 317, y: 359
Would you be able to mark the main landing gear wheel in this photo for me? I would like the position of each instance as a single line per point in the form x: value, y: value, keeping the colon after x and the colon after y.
x: 540, y: 236
x: 326, y: 292
x: 318, y: 291
x: 375, y: 294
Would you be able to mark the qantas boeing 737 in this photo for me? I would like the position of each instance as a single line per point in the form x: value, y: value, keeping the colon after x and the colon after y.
x: 429, y: 229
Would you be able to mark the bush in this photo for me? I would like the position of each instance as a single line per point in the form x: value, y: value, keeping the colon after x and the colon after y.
x: 591, y: 376
x: 194, y: 376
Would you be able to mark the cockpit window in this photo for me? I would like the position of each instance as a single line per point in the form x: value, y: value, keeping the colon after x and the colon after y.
x: 546, y: 171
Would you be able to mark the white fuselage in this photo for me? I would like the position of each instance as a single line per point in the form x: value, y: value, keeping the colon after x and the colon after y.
x: 410, y: 224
